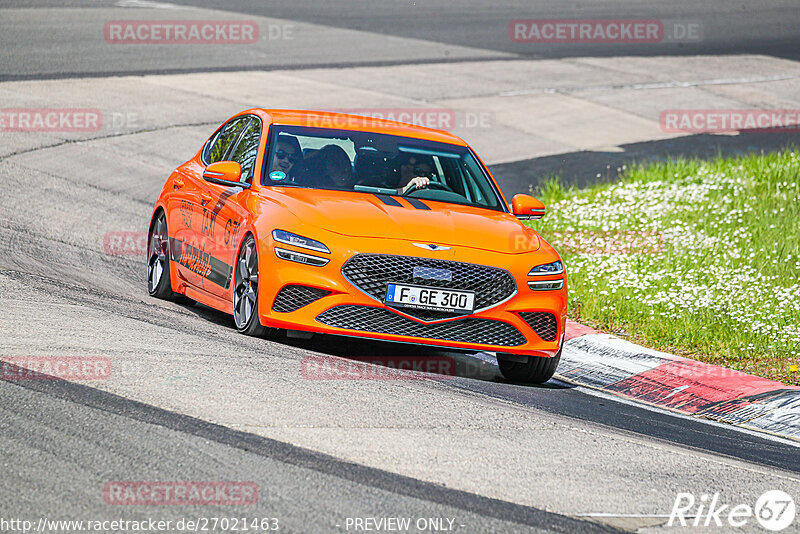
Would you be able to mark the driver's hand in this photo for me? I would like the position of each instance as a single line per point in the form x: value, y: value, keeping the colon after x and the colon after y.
x: 418, y: 183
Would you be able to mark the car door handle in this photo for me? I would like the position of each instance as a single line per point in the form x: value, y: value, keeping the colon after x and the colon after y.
x: 178, y: 183
x: 205, y: 197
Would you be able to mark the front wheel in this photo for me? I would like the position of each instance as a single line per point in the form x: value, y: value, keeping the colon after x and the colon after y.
x: 536, y: 370
x: 245, y: 291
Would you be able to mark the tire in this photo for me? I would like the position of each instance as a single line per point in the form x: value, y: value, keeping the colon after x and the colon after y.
x: 158, y: 263
x: 245, y: 291
x: 158, y: 282
x: 537, y: 370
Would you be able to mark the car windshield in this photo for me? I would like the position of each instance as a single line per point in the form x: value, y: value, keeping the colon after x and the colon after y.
x: 365, y: 162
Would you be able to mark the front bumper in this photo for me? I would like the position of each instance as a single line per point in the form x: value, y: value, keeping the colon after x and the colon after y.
x: 529, y: 322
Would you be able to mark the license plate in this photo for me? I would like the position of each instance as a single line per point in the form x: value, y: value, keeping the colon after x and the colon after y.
x: 430, y: 298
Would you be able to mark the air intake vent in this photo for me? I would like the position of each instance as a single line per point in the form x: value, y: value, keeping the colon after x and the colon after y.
x: 544, y: 324
x: 294, y: 297
x: 381, y: 320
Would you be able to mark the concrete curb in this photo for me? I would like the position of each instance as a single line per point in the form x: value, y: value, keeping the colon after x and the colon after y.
x: 608, y: 363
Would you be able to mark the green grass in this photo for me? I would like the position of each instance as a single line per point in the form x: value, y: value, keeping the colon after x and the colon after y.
x: 699, y: 258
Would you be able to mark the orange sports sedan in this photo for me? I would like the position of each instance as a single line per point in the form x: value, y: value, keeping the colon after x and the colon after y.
x: 315, y: 222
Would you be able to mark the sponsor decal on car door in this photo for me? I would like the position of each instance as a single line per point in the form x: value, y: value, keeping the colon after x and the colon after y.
x: 196, y: 251
x: 226, y: 209
x: 222, y: 213
x: 182, y: 210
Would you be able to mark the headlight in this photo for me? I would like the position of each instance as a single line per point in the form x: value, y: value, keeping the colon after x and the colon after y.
x: 299, y: 257
x: 289, y: 238
x: 546, y: 269
x: 546, y: 285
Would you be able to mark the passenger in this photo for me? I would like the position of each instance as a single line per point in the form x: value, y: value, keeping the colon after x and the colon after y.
x: 330, y: 168
x: 415, y: 173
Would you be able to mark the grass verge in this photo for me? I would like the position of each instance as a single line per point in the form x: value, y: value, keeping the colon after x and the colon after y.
x: 699, y: 258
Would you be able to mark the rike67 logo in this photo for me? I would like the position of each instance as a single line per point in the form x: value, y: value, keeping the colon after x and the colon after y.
x: 774, y: 511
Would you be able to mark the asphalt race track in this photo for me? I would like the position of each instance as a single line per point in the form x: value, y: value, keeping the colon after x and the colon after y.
x: 189, y: 399
x: 475, y: 29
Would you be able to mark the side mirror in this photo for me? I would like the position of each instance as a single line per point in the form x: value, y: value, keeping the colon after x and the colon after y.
x: 526, y: 207
x: 227, y: 173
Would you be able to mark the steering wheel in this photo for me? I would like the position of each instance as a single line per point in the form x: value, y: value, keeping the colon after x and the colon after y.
x: 431, y: 185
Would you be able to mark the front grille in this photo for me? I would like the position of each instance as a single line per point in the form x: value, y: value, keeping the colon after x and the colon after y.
x: 294, y: 297
x: 543, y: 323
x: 381, y: 320
x: 371, y: 273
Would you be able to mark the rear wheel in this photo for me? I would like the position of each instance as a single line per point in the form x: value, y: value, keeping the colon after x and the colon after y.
x: 158, y: 284
x: 245, y: 291
x: 158, y: 277
x: 536, y: 370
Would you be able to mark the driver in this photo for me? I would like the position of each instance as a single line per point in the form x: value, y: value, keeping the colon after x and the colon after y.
x: 286, y: 156
x: 415, y: 173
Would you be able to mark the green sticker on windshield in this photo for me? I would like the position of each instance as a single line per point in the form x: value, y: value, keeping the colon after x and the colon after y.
x: 277, y: 176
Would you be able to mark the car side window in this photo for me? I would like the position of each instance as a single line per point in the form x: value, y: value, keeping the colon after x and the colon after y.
x: 246, y: 149
x: 219, y: 147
